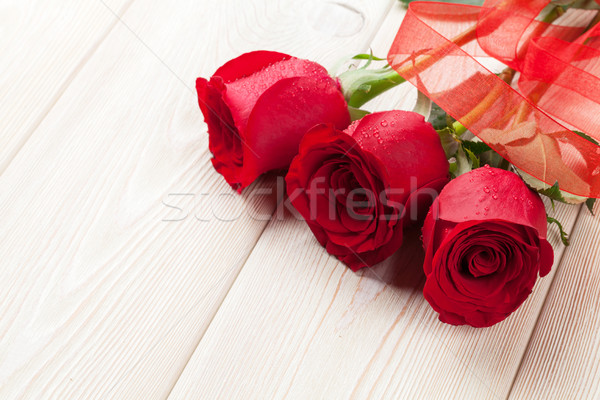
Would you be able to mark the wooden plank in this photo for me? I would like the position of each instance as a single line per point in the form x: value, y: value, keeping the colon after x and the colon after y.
x: 563, y: 357
x: 299, y: 324
x: 101, y: 296
x: 44, y: 44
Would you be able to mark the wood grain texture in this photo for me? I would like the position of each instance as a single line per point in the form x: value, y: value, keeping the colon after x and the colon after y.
x: 298, y: 324
x: 563, y: 357
x: 102, y: 296
x: 44, y: 44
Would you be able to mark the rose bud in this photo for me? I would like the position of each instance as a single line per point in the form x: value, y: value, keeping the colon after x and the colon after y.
x: 257, y: 108
x: 485, y: 243
x: 357, y: 188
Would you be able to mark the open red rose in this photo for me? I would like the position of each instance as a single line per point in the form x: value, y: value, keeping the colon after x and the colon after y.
x: 257, y: 108
x: 356, y: 188
x: 485, y: 242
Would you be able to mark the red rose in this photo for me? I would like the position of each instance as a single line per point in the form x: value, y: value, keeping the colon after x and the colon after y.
x: 257, y: 108
x: 485, y: 242
x: 356, y: 188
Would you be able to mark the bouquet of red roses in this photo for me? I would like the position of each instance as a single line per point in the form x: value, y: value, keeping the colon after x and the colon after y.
x: 472, y: 175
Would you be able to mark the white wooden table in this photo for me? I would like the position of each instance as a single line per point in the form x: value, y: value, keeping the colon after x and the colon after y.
x: 102, y: 295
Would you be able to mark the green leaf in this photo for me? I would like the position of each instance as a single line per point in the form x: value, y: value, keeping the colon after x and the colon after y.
x: 365, y: 88
x: 361, y: 85
x: 423, y: 105
x: 449, y: 142
x: 453, y: 168
x: 590, y: 205
x: 586, y: 137
x: 473, y: 158
x: 491, y: 158
x: 438, y: 117
x: 367, y: 57
x: 476, y: 147
x: 357, y: 113
x: 553, y: 193
x: 564, y: 236
x: 462, y: 164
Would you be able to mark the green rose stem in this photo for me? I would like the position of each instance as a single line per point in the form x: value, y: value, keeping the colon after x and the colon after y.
x: 522, y: 112
x: 362, y: 85
x: 507, y: 76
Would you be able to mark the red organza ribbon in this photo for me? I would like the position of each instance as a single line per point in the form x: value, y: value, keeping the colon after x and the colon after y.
x: 440, y: 49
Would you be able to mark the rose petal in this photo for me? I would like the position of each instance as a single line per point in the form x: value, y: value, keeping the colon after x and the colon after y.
x: 374, y: 154
x: 248, y: 64
x: 398, y: 140
x: 510, y: 221
x: 282, y: 116
x: 499, y: 195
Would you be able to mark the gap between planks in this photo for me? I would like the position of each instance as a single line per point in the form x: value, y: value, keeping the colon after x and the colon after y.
x: 372, y: 36
x: 539, y: 300
x: 552, y: 283
x: 563, y: 355
x: 111, y: 251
